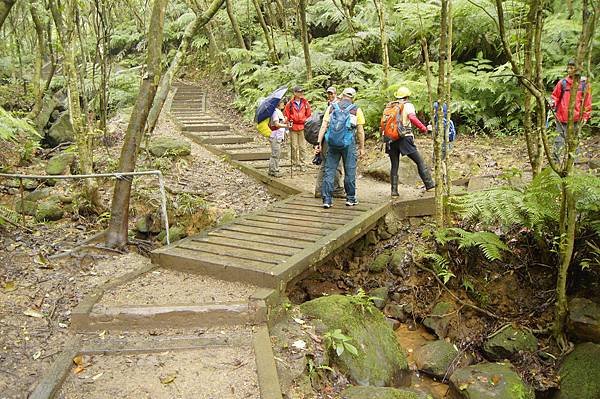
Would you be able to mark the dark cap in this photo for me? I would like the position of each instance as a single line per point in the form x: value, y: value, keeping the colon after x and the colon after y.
x: 571, y: 62
x: 298, y: 89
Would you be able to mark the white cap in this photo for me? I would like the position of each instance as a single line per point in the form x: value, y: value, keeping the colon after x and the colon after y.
x: 349, y: 92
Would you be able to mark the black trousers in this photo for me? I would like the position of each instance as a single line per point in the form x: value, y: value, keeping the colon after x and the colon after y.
x: 415, y: 156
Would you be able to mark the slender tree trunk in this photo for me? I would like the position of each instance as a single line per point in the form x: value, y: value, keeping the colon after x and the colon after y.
x: 447, y: 101
x: 5, y: 6
x: 116, y: 235
x: 182, y: 51
x: 304, y: 34
x: 284, y: 18
x: 265, y: 28
x: 38, y: 92
x: 385, y: 58
x: 235, y: 26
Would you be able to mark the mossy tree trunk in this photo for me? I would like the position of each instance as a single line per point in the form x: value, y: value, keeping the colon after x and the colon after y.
x: 66, y: 29
x: 385, y: 58
x: 265, y: 29
x: 568, y: 211
x: 5, y: 6
x: 234, y: 25
x: 116, y: 236
x: 165, y: 81
x: 304, y: 34
x: 38, y: 92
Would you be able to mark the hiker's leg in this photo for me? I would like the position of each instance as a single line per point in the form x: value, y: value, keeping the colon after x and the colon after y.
x: 301, y: 148
x: 394, y: 153
x: 559, y: 141
x: 349, y: 158
x: 321, y: 171
x: 423, y: 169
x: 294, y: 147
x: 338, y: 189
x: 331, y: 160
x: 274, y: 155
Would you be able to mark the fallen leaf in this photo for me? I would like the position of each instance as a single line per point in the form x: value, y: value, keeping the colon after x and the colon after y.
x: 97, y: 376
x: 9, y: 286
x: 168, y: 379
x: 33, y: 313
x: 37, y: 355
x: 62, y: 325
x: 299, y: 344
x: 102, y: 334
x: 496, y: 379
x: 299, y: 321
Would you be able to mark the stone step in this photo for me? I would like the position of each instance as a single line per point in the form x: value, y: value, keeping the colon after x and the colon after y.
x: 204, y: 128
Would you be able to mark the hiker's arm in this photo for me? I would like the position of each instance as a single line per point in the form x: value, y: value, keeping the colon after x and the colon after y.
x: 587, y: 104
x: 416, y: 122
x: 555, y: 96
x: 360, y: 130
x: 308, y: 110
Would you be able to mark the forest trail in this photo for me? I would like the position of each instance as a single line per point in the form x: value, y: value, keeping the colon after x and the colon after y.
x: 148, y: 339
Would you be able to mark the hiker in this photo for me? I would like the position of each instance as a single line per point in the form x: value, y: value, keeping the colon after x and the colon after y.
x: 278, y: 125
x: 400, y: 140
x: 559, y: 102
x: 297, y: 111
x: 342, y: 121
x: 338, y: 190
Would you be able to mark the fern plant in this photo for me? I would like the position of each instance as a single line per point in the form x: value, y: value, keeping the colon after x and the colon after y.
x: 489, y: 243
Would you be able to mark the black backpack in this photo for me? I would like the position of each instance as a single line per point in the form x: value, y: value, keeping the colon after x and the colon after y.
x: 312, y: 127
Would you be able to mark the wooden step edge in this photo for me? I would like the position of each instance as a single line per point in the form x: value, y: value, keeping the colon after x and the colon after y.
x: 268, y: 379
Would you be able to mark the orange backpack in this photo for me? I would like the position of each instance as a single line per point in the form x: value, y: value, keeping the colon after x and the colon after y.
x: 391, y: 121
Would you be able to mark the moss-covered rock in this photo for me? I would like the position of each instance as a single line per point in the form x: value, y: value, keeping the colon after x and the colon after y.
x: 176, y: 233
x: 62, y: 130
x: 584, y: 319
x: 26, y: 207
x: 580, y: 373
x: 380, y: 296
x: 380, y: 263
x: 392, y: 223
x: 380, y: 360
x: 227, y: 216
x: 397, y: 260
x: 436, y: 358
x: 60, y: 164
x: 382, y: 393
x: 49, y: 210
x: 439, y: 321
x: 169, y: 146
x: 371, y: 238
x: 509, y: 341
x: 39, y: 194
x: 489, y: 381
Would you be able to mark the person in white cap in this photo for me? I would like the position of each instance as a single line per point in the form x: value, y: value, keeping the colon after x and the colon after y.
x: 342, y: 123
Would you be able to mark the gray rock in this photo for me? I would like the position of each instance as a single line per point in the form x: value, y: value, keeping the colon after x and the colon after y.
x: 371, y: 238
x: 169, y: 146
x: 584, y: 319
x: 382, y: 295
x: 60, y: 164
x: 50, y: 104
x: 39, y: 194
x: 508, y: 342
x: 62, y: 130
x: 407, y: 171
x: 395, y: 311
x: 437, y: 358
x: 440, y: 318
x: 380, y: 263
x: 478, y: 183
x: 397, y: 259
x: 489, y: 381
x: 392, y: 223
x: 49, y: 209
x: 26, y: 207
x: 393, y: 323
x: 382, y: 232
x: 383, y: 393
x: 149, y: 224
x: 580, y: 373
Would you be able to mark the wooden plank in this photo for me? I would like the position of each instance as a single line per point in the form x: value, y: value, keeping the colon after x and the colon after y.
x: 228, y: 252
x: 230, y: 269
x: 247, y: 244
x: 221, y: 133
x: 268, y: 379
x: 253, y: 237
x: 266, y: 229
x: 219, y: 260
x: 280, y: 222
x: 204, y: 128
x: 226, y: 140
x: 306, y: 218
x: 250, y: 156
x: 350, y: 212
x: 329, y: 214
x: 317, y: 203
x: 50, y: 384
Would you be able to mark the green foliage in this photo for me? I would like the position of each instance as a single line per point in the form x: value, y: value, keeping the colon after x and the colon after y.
x: 7, y: 214
x: 363, y: 301
x: 123, y: 90
x: 489, y: 243
x: 339, y: 342
x: 188, y: 204
x: 441, y: 266
x: 11, y: 127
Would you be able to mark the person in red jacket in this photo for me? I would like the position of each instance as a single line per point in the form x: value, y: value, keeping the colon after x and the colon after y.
x: 297, y: 111
x: 560, y: 103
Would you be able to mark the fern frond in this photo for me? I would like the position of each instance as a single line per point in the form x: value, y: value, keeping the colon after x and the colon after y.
x: 7, y: 214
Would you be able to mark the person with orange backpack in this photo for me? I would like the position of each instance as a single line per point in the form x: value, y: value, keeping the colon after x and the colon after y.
x: 396, y: 129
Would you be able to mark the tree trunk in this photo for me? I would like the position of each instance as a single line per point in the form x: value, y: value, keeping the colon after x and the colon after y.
x: 166, y: 80
x: 447, y: 101
x: 265, y: 28
x: 38, y: 92
x: 385, y: 58
x: 304, y: 34
x: 5, y: 6
x: 235, y: 25
x: 116, y: 235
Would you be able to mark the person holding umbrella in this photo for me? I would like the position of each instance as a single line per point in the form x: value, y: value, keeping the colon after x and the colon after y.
x: 297, y: 111
x: 278, y: 125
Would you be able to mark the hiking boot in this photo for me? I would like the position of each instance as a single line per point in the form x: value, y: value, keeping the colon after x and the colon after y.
x: 275, y: 174
x: 351, y: 202
x: 327, y: 205
x: 394, y: 183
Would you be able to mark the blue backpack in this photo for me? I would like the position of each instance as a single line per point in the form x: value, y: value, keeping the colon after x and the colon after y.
x: 340, y: 133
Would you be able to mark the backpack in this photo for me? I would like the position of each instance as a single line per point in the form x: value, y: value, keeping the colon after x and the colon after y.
x: 312, y: 127
x: 563, y: 88
x: 451, y: 131
x: 340, y: 133
x: 264, y: 128
x: 391, y: 121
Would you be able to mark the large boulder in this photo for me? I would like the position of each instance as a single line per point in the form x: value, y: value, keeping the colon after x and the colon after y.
x: 382, y: 393
x: 407, y: 171
x: 50, y: 209
x: 26, y: 207
x: 50, y: 104
x: 380, y: 263
x: 380, y: 360
x: 39, y: 194
x: 62, y: 130
x: 489, y: 381
x: 580, y: 373
x: 169, y: 146
x: 584, y: 319
x: 509, y: 341
x: 436, y: 358
x: 60, y: 164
